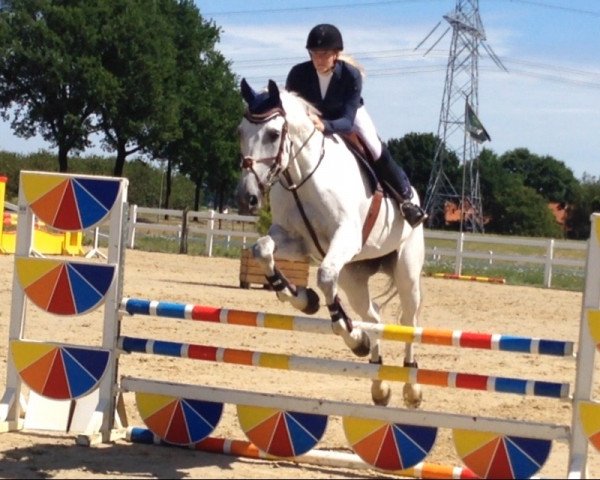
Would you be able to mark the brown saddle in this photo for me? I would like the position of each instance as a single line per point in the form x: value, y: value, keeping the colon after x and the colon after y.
x: 364, y: 158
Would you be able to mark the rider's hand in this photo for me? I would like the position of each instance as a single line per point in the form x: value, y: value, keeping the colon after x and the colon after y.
x: 317, y: 122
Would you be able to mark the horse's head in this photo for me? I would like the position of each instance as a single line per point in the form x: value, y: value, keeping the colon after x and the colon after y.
x: 273, y: 121
x: 263, y: 134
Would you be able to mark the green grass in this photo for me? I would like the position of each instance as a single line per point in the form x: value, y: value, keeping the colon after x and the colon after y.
x: 525, y: 273
x: 563, y: 278
x: 196, y: 246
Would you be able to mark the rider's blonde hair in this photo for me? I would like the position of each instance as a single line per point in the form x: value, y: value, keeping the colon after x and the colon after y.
x: 351, y: 61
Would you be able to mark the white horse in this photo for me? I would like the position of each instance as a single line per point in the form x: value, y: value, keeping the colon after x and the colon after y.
x: 322, y: 206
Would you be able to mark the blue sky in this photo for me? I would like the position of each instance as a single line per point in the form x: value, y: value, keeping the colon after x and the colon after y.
x: 548, y: 102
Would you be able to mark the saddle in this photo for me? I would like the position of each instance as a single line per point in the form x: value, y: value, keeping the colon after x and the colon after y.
x: 364, y: 158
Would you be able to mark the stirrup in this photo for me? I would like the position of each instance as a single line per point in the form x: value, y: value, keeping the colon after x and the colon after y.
x: 413, y: 214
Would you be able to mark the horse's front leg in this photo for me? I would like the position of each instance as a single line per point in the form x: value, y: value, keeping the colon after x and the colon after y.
x: 354, y: 280
x: 290, y: 248
x: 343, y: 247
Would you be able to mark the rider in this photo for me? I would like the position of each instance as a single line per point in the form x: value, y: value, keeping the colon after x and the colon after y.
x: 333, y: 84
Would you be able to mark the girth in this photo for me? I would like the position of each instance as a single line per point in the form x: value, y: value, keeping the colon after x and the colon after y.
x: 364, y: 158
x: 361, y: 153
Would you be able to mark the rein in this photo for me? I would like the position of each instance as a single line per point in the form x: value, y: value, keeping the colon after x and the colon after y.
x: 275, y: 170
x: 294, y: 190
x: 291, y: 187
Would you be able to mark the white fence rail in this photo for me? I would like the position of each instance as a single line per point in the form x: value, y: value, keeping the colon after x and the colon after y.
x: 549, y: 246
x: 209, y: 226
x: 185, y: 228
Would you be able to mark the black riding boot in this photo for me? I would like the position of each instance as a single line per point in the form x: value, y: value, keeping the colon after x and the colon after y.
x: 392, y: 176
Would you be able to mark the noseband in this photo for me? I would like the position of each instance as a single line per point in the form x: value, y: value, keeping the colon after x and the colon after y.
x: 275, y: 169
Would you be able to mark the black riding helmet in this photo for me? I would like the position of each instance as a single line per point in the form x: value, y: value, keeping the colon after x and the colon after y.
x: 324, y: 37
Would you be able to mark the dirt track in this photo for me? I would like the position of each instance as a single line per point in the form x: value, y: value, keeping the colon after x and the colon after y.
x: 448, y: 304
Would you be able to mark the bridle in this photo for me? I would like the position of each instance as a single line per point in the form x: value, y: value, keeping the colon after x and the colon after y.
x: 276, y: 168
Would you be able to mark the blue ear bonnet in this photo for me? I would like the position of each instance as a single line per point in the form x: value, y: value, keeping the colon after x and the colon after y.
x: 262, y: 103
x: 259, y: 103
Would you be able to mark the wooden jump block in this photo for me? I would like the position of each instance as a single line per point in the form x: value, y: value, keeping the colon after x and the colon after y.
x: 250, y: 271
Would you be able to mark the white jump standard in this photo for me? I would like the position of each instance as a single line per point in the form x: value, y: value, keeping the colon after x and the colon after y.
x: 282, y: 426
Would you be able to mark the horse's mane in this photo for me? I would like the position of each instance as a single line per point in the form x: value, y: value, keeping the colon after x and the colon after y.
x: 305, y: 105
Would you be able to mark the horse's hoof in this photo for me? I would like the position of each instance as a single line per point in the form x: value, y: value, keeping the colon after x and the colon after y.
x: 312, y: 302
x: 412, y: 395
x: 381, y: 394
x: 364, y: 347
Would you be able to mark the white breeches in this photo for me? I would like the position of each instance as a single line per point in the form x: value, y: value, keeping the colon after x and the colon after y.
x: 365, y: 128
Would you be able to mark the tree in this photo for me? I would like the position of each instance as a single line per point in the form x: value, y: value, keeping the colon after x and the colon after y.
x: 210, y: 108
x: 192, y: 38
x: 49, y: 71
x: 415, y: 153
x: 138, y: 55
x: 586, y: 203
x: 547, y: 176
x: 220, y: 152
x: 511, y: 207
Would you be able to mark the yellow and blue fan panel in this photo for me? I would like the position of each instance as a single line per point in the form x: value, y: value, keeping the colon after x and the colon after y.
x: 279, y: 432
x: 64, y: 287
x: 178, y: 421
x: 70, y: 203
x: 589, y: 415
x: 492, y: 455
x: 593, y: 320
x: 389, y: 446
x: 57, y: 371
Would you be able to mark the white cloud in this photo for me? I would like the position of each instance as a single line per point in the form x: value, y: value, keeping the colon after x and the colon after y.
x: 549, y: 111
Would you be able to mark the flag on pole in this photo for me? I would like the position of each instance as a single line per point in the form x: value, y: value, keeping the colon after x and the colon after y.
x: 474, y: 125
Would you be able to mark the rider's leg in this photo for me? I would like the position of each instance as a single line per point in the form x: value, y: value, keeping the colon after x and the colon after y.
x: 393, y: 176
x: 387, y: 170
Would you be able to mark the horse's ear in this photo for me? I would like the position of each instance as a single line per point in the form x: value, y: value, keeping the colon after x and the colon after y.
x: 274, y: 91
x: 248, y: 93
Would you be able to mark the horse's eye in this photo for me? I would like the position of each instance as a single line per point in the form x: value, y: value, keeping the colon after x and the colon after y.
x: 272, y: 135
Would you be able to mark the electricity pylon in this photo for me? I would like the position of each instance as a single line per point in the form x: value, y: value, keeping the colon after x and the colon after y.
x: 460, y: 90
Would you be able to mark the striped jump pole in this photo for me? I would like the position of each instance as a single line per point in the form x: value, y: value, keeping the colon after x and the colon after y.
x: 322, y: 458
x: 425, y: 418
x: 399, y: 439
x: 398, y: 333
x: 345, y: 368
x: 470, y: 278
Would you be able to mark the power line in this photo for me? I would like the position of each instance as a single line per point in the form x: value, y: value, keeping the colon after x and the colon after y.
x: 319, y: 7
x: 359, y: 56
x: 557, y: 7
x: 554, y: 78
x: 376, y: 55
x: 555, y: 73
x: 391, y: 72
x: 534, y: 3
